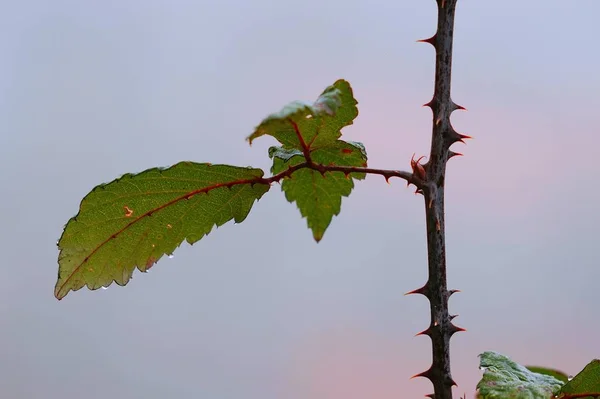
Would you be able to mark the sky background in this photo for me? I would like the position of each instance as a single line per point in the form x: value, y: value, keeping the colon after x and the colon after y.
x: 90, y: 90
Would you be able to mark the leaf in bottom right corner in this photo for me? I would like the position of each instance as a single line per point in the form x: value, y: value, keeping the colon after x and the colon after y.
x: 587, y: 381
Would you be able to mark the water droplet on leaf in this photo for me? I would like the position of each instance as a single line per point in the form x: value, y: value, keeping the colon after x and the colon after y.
x: 104, y: 288
x: 171, y: 256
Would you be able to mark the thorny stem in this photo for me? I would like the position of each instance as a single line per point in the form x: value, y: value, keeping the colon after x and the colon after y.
x: 387, y: 174
x: 443, y: 136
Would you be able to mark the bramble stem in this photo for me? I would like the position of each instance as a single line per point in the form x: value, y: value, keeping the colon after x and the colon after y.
x: 387, y: 174
x: 443, y: 136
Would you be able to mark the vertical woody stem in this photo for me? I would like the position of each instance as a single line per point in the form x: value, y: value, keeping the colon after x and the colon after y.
x: 443, y: 136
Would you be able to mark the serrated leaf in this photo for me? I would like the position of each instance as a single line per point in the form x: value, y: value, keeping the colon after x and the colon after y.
x: 300, y: 125
x: 505, y: 379
x: 587, y: 381
x: 134, y: 220
x: 318, y: 196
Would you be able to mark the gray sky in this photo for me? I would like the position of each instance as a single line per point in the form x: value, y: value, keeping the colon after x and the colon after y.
x: 91, y: 90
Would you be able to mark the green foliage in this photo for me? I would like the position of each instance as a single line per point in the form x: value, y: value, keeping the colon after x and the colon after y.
x: 505, y: 379
x: 299, y: 125
x: 319, y: 196
x: 313, y: 130
x: 587, y: 381
x: 559, y: 375
x: 134, y: 220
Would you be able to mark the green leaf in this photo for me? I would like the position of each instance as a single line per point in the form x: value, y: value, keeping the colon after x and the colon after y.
x: 319, y: 196
x: 310, y: 126
x: 559, y: 375
x: 134, y: 220
x: 587, y: 381
x: 505, y: 379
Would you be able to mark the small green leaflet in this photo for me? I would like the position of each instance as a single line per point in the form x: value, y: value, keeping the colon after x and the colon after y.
x: 319, y: 196
x: 587, y: 381
x: 309, y: 133
x: 134, y: 220
x: 505, y: 379
x: 319, y: 124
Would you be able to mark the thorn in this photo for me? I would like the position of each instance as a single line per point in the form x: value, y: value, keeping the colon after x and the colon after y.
x: 387, y: 180
x: 431, y: 104
x: 454, y: 136
x: 425, y: 374
x: 417, y: 168
x: 452, y: 317
x: 463, y: 137
x: 423, y: 291
x: 455, y: 106
x: 431, y: 395
x: 431, y: 40
x: 427, y: 332
x: 453, y: 383
x: 454, y: 154
x: 454, y: 329
x: 451, y: 292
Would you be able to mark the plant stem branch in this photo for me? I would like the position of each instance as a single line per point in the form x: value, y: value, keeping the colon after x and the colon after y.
x: 443, y: 136
x: 387, y: 174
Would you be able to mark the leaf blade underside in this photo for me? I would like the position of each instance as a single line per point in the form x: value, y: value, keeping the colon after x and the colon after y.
x: 505, y: 379
x: 133, y: 221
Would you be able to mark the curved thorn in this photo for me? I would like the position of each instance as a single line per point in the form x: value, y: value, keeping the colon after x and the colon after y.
x: 463, y: 137
x: 451, y: 292
x: 455, y: 107
x: 454, y: 136
x: 454, y: 154
x: 431, y: 104
x: 454, y: 329
x: 427, y: 332
x: 431, y: 40
x: 452, y: 317
x: 423, y: 291
x: 425, y: 374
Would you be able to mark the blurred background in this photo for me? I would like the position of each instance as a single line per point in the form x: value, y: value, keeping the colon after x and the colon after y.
x: 91, y: 90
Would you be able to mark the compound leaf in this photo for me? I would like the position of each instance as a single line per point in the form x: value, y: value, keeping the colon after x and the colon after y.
x: 587, y: 381
x: 134, y: 220
x: 319, y: 196
x: 310, y: 126
x: 505, y: 379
